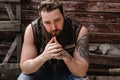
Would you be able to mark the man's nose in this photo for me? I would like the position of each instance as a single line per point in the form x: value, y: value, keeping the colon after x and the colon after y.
x: 53, y: 27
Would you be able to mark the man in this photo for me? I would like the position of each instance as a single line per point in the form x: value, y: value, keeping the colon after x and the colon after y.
x: 54, y: 47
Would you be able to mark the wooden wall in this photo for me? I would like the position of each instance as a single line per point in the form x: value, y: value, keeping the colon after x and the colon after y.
x: 101, y: 17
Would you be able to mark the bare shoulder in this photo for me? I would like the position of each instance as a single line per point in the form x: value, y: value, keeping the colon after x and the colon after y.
x: 28, y: 30
x: 28, y: 36
x: 83, y: 31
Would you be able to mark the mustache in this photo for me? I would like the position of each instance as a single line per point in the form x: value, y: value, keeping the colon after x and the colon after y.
x: 55, y: 31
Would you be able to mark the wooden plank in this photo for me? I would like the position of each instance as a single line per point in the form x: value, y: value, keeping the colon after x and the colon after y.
x: 98, y: 71
x: 102, y: 27
x: 11, y: 69
x: 19, y: 38
x: 9, y: 11
x: 95, y: 17
x: 18, y: 12
x: 9, y: 0
x: 10, y: 51
x: 7, y: 37
x: 104, y: 38
x: 10, y: 26
x: 101, y: 0
x: 91, y: 7
x: 4, y: 13
x: 29, y: 15
x: 3, y: 16
x: 114, y: 71
x: 2, y: 6
x: 81, y: 6
x: 83, y: 0
x: 9, y: 66
x: 104, y: 60
x: 19, y: 46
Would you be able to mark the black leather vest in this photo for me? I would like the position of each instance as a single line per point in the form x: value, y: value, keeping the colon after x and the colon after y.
x: 67, y: 39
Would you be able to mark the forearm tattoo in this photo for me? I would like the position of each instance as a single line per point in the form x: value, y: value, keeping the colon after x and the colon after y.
x: 83, y: 46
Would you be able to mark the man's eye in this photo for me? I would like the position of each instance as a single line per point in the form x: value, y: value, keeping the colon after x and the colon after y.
x: 47, y: 22
x: 57, y: 20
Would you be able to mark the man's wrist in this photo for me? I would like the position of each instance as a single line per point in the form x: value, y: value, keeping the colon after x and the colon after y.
x: 67, y: 56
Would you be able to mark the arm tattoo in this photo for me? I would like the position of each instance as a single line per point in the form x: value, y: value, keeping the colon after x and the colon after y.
x: 83, y: 46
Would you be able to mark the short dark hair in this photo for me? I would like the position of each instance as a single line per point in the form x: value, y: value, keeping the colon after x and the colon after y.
x: 50, y: 5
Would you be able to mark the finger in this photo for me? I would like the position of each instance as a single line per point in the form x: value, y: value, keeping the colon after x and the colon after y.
x: 56, y: 55
x: 56, y: 51
x: 54, y: 46
x: 51, y: 41
x: 55, y: 40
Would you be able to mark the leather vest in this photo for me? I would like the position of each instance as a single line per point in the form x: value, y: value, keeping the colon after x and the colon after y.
x: 67, y: 38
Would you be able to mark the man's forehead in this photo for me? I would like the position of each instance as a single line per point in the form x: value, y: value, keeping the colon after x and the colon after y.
x: 50, y: 15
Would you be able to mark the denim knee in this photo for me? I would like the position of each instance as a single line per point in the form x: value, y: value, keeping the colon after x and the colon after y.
x: 72, y: 77
x: 23, y: 76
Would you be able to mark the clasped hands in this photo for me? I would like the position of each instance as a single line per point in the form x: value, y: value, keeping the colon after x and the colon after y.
x: 54, y: 50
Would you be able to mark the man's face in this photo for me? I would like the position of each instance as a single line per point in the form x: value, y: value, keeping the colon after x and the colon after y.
x: 53, y: 21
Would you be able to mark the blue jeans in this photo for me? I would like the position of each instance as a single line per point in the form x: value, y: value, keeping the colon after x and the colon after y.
x: 70, y: 77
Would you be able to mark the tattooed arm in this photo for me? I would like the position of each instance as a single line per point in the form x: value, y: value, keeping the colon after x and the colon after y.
x: 83, y: 46
x: 78, y: 64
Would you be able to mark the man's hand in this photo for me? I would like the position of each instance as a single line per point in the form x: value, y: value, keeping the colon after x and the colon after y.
x: 52, y: 50
x: 63, y: 53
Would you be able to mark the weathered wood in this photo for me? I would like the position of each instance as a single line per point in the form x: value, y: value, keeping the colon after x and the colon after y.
x: 98, y: 71
x: 7, y: 37
x: 104, y: 38
x: 18, y: 12
x: 101, y: 0
x: 114, y: 71
x: 105, y: 60
x: 10, y: 51
x: 9, y: 26
x: 19, y: 47
x: 9, y: 0
x: 19, y: 38
x: 9, y: 11
x: 3, y: 16
x: 81, y: 0
x: 95, y: 17
x: 2, y: 6
x: 92, y: 7
x: 3, y: 50
x: 106, y: 28
x: 82, y: 6
x: 10, y: 69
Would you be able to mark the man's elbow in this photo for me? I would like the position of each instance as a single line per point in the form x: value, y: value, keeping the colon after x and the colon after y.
x: 25, y: 68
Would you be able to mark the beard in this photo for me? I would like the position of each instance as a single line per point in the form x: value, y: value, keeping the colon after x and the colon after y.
x: 48, y: 35
x: 55, y: 32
